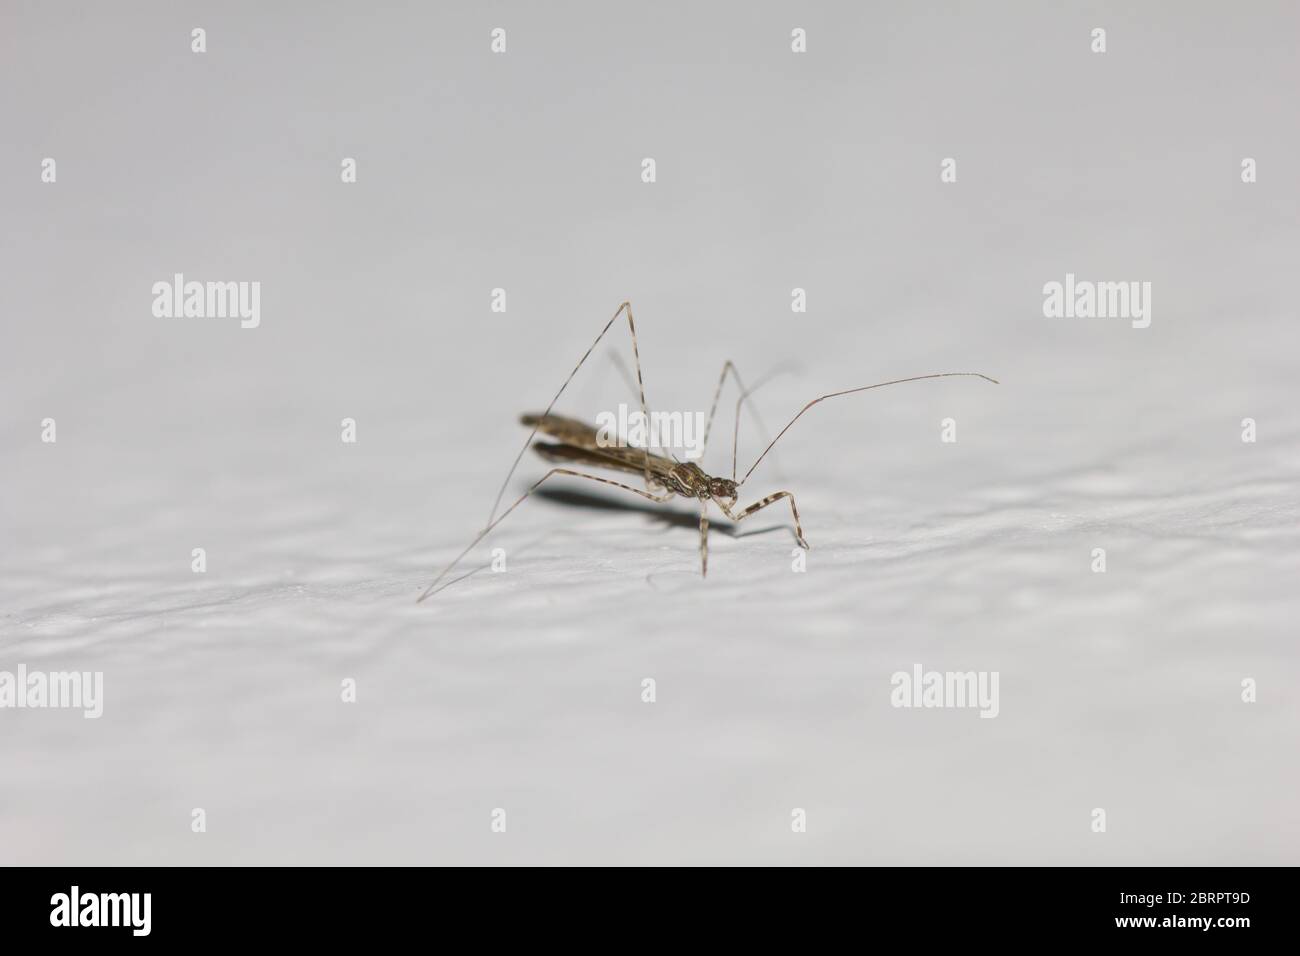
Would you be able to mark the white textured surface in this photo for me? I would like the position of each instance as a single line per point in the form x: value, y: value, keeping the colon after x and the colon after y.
x: 521, y: 690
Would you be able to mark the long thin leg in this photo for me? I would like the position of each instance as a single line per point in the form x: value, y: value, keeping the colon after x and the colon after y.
x: 743, y: 398
x: 666, y: 495
x: 625, y: 307
x: 759, y: 505
x: 632, y: 387
x: 727, y: 366
x: 617, y: 361
x: 704, y: 542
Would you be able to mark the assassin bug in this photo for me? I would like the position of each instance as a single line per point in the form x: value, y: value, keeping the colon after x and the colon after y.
x: 576, y: 442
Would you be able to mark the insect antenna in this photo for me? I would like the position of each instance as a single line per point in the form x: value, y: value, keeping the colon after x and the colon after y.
x: 850, y: 391
x: 744, y: 397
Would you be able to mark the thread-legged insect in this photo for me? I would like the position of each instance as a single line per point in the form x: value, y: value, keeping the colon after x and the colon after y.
x: 577, y: 442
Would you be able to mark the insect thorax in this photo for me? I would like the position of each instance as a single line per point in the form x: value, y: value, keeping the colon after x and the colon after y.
x: 690, y: 480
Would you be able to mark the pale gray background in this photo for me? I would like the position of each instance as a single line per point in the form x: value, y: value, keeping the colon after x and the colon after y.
x: 522, y: 690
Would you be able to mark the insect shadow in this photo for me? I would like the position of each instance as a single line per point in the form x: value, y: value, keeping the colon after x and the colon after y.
x: 674, y: 519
